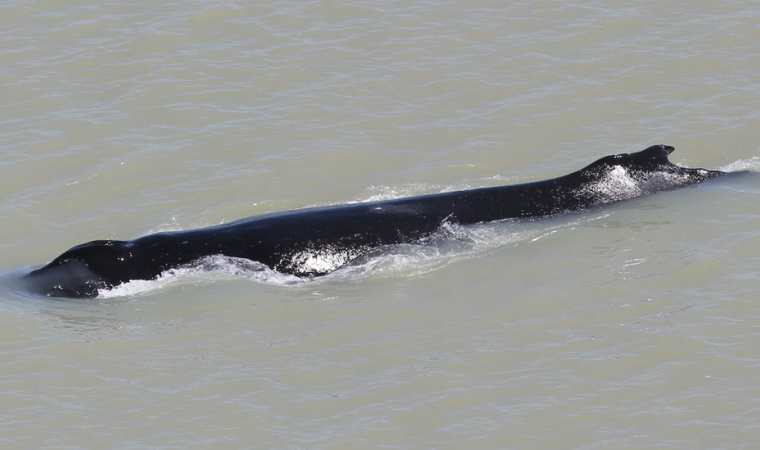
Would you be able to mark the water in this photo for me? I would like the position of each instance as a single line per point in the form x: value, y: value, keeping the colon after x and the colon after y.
x: 632, y: 326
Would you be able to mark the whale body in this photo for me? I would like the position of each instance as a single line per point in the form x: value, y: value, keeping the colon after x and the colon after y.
x: 315, y: 241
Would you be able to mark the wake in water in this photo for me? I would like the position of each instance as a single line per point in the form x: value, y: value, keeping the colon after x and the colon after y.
x: 451, y: 244
x: 752, y: 165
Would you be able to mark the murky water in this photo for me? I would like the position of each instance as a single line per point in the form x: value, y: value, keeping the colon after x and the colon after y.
x: 632, y: 326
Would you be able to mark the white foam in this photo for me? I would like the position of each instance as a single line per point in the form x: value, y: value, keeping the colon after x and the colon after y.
x: 321, y: 260
x: 452, y: 243
x: 617, y: 184
x: 206, y: 270
x: 620, y: 184
x: 752, y: 164
x: 383, y: 193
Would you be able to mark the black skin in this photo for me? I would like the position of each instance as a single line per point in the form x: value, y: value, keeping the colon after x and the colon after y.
x: 285, y: 241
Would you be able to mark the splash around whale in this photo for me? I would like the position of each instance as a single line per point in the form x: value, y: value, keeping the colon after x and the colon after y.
x: 316, y: 241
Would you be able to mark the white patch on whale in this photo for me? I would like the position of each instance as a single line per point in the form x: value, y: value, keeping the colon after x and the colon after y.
x: 620, y: 183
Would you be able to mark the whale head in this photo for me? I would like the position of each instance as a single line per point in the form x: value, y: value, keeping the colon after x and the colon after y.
x: 82, y: 271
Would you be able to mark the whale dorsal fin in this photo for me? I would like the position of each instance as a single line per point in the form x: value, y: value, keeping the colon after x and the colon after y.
x: 656, y: 154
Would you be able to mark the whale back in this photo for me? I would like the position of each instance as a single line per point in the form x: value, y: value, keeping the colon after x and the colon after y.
x: 316, y: 241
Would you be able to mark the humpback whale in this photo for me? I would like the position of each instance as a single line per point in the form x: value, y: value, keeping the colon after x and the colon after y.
x: 315, y: 241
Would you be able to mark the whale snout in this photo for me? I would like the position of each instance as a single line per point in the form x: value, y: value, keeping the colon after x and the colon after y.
x: 72, y: 279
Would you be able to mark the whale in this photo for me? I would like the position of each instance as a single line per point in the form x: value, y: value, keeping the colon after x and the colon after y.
x: 315, y: 241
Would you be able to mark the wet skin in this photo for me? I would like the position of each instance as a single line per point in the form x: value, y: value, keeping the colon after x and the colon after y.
x: 290, y: 242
